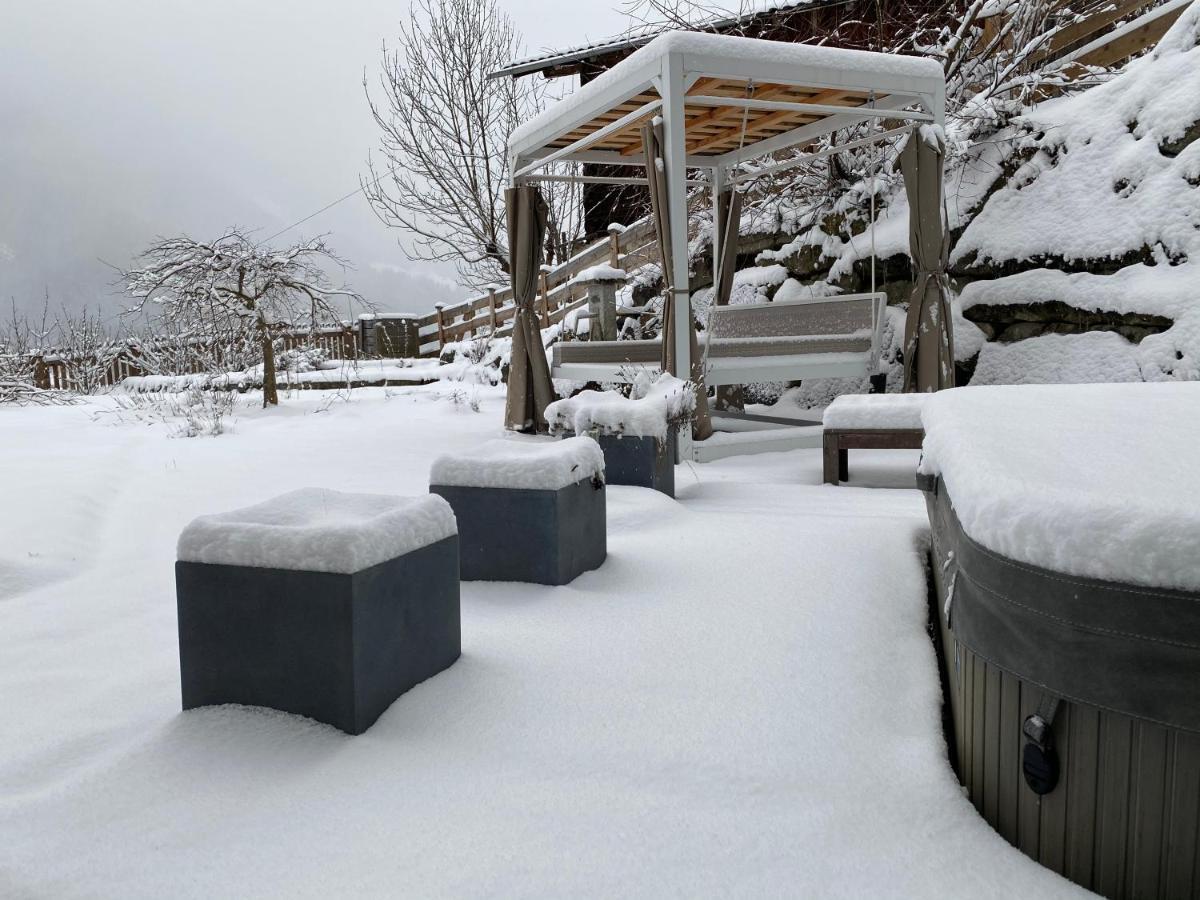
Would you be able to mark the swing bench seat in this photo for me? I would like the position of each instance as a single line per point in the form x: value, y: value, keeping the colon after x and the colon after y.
x: 786, y: 340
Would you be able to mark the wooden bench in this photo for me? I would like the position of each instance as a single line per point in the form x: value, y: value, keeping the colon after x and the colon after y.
x: 869, y: 422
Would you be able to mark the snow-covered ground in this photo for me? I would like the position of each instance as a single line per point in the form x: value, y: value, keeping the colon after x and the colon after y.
x: 741, y: 702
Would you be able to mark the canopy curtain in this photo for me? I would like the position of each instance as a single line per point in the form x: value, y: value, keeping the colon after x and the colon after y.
x: 929, y: 328
x: 529, y: 387
x: 656, y: 180
x: 729, y: 217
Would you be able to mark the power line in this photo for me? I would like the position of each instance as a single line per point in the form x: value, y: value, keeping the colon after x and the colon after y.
x: 358, y: 190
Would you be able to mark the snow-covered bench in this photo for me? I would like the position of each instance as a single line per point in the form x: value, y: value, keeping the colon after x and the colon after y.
x: 527, y: 510
x: 320, y: 603
x: 869, y: 421
x: 787, y: 340
x: 636, y: 433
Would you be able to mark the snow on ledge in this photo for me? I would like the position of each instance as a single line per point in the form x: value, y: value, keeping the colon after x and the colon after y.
x: 1094, y: 480
x: 851, y: 411
x: 523, y: 465
x: 602, y: 272
x: 318, y: 530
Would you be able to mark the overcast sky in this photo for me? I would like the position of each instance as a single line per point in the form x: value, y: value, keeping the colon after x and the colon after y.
x: 127, y: 119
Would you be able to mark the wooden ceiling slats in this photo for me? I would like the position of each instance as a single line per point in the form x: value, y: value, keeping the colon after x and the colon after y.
x: 713, y: 130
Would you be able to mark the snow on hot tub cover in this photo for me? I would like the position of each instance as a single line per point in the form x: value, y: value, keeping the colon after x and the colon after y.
x: 318, y: 530
x: 1095, y: 480
x: 523, y: 465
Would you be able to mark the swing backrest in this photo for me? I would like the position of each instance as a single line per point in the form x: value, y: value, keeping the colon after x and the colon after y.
x: 840, y: 324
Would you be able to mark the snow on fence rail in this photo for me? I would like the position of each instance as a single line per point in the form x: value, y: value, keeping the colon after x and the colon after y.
x: 627, y: 248
x: 109, y: 366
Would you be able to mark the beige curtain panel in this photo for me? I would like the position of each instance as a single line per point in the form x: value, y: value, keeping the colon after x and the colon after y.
x: 652, y: 143
x: 529, y: 387
x: 929, y: 329
x: 729, y: 209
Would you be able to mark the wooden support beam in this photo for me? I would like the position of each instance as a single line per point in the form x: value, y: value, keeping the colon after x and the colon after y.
x: 759, y: 123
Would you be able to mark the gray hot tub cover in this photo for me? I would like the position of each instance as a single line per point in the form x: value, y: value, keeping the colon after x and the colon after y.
x: 1120, y: 647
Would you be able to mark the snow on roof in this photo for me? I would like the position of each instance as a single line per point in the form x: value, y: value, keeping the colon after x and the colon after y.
x: 734, y: 56
x: 639, y: 35
x: 1093, y: 480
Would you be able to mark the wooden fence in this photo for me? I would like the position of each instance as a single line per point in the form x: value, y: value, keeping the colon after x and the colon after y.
x: 57, y: 370
x: 493, y: 312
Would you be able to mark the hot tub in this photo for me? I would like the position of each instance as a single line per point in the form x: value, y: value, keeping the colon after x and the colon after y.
x: 1066, y: 562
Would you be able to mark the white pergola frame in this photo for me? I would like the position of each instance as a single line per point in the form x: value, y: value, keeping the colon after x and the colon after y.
x: 902, y: 89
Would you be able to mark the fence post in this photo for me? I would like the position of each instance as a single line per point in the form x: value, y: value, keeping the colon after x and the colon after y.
x: 614, y: 246
x: 441, y: 325
x: 41, y: 373
x: 492, y: 305
x: 544, y: 290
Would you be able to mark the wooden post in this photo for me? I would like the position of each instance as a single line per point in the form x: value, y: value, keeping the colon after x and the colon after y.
x: 441, y: 325
x: 41, y: 373
x: 492, y: 305
x: 614, y: 246
x: 544, y: 290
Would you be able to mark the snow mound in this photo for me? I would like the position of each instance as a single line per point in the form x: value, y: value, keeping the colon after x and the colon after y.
x: 1111, y: 174
x: 524, y: 465
x: 649, y: 412
x: 1089, y: 358
x: 602, y: 272
x: 318, y: 530
x: 875, y: 411
x: 1089, y: 480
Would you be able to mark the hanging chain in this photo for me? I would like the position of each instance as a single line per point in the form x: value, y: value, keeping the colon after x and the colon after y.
x: 874, y: 170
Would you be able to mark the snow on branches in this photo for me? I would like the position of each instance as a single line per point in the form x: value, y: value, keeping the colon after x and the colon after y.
x: 237, y: 289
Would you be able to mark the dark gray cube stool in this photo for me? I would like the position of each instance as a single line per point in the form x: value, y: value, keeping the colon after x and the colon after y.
x: 319, y: 603
x: 527, y: 510
x: 640, y: 461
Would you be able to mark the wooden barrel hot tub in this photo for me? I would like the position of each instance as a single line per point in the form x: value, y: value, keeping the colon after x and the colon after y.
x: 1074, y: 701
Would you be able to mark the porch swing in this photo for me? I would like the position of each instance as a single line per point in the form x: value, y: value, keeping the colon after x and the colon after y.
x: 668, y: 108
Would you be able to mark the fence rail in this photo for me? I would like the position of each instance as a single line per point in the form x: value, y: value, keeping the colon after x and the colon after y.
x: 627, y: 248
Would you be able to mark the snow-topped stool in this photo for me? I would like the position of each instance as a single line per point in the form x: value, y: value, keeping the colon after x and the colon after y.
x: 869, y: 422
x: 637, y: 433
x: 320, y: 603
x: 527, y: 510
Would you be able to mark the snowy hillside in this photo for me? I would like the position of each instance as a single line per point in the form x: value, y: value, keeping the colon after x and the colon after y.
x: 1082, y: 215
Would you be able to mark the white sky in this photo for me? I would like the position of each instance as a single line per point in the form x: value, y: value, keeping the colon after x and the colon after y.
x: 128, y: 119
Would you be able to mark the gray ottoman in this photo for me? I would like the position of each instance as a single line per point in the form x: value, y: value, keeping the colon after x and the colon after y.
x: 640, y: 461
x: 527, y: 510
x: 319, y: 603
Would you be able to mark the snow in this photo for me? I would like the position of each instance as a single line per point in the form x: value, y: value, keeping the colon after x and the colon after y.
x: 735, y: 52
x: 318, y: 530
x: 875, y: 411
x: 1089, y: 480
x: 1172, y: 291
x: 649, y: 411
x: 1089, y: 358
x: 602, y: 272
x: 536, y: 465
x: 683, y: 721
x: 1098, y: 184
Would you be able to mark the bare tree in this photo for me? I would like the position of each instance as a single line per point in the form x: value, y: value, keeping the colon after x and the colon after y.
x: 444, y: 128
x: 236, y: 288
